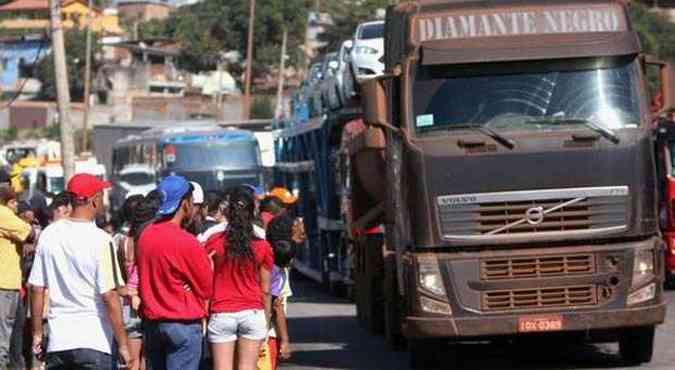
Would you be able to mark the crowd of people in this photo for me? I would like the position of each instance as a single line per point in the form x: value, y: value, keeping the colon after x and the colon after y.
x: 182, y: 279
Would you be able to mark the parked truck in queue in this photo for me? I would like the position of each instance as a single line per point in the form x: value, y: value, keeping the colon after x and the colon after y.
x: 508, y: 154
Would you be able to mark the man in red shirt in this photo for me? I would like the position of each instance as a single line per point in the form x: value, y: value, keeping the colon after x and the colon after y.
x: 176, y: 280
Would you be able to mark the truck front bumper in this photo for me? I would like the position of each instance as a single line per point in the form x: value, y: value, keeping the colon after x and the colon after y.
x: 497, y: 325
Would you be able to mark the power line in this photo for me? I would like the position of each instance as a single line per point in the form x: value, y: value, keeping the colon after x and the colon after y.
x: 25, y: 80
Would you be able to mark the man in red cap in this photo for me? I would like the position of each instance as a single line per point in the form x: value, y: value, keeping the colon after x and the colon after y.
x: 76, y: 262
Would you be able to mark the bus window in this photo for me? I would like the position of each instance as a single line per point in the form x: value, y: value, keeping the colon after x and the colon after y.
x: 227, y: 155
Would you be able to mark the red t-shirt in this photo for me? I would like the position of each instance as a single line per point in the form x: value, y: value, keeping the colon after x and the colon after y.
x: 237, y: 280
x: 266, y: 218
x: 169, y: 259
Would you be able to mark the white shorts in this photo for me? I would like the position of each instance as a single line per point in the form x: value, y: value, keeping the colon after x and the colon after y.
x: 230, y: 326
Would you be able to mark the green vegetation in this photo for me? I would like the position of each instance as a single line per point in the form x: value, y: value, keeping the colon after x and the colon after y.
x: 657, y: 33
x: 347, y: 14
x: 9, y: 134
x: 76, y: 44
x: 208, y: 29
x: 262, y: 108
x: 657, y: 36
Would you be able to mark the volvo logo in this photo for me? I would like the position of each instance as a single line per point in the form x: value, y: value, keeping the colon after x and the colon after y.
x: 534, y: 216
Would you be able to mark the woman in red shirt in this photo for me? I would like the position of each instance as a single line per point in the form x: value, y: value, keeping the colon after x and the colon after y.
x: 241, y: 305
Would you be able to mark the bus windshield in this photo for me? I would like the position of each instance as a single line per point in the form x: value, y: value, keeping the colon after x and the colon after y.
x: 56, y: 185
x: 235, y: 155
x: 542, y: 97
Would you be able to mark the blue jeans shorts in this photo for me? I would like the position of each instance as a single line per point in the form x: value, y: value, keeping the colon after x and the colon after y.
x: 132, y: 322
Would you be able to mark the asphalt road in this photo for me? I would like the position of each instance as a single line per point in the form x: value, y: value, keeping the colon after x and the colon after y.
x: 326, y: 336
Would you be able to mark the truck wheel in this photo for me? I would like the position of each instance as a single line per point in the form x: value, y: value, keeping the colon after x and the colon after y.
x: 670, y: 280
x: 425, y: 354
x: 392, y: 306
x: 636, y: 345
x: 374, y: 294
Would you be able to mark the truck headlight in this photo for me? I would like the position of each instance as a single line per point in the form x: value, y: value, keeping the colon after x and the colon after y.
x: 432, y: 306
x: 642, y: 295
x: 643, y: 267
x: 429, y: 275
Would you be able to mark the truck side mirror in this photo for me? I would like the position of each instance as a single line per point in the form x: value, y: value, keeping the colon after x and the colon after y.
x: 374, y: 102
x: 664, y: 101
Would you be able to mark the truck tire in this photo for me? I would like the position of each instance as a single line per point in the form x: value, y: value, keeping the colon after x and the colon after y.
x: 670, y: 281
x: 393, y: 336
x: 636, y: 345
x: 369, y: 280
x: 425, y: 354
x: 375, y: 283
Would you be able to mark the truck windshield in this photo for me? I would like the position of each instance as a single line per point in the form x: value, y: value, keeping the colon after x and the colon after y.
x: 207, y: 156
x: 56, y: 185
x: 539, y: 99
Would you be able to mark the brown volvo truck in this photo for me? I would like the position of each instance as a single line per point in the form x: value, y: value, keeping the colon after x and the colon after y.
x: 508, y: 152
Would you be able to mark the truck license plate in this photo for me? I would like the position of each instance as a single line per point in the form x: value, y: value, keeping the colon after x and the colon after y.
x: 535, y: 324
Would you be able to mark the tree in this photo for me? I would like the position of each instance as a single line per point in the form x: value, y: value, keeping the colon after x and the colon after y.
x: 657, y: 36
x: 657, y: 33
x: 208, y: 29
x: 347, y: 14
x: 76, y: 43
x: 262, y: 108
x: 9, y: 134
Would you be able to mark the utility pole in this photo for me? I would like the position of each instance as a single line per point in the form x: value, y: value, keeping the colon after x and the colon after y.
x: 62, y: 92
x: 246, y: 106
x: 219, y: 96
x: 87, y: 80
x: 282, y: 75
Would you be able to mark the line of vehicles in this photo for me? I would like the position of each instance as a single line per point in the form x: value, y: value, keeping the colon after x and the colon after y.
x: 137, y: 157
x: 333, y: 80
x: 35, y: 167
x: 495, y: 176
x: 214, y: 157
x: 498, y: 180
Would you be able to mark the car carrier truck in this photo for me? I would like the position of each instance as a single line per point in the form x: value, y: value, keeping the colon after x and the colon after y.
x: 500, y: 182
x: 510, y: 151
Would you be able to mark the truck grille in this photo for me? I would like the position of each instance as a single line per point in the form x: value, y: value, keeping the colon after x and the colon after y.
x: 535, y: 267
x: 504, y: 300
x: 577, y: 210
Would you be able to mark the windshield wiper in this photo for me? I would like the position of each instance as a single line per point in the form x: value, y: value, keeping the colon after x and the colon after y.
x: 602, y: 130
x: 494, y: 135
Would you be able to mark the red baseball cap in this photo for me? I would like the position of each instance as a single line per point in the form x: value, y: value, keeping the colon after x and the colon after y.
x: 84, y: 185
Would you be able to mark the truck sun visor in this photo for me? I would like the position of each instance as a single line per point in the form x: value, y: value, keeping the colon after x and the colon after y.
x: 500, y: 22
x: 532, y: 33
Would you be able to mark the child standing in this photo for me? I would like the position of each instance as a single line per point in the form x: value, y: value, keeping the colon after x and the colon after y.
x: 278, y: 343
x: 279, y: 235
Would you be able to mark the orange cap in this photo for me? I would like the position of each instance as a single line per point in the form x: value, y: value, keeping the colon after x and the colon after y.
x: 284, y: 195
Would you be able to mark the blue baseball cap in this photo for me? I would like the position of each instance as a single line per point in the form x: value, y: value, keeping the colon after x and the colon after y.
x: 257, y: 191
x: 172, y: 190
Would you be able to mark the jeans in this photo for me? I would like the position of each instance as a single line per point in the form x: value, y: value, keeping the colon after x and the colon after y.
x: 173, y: 345
x: 16, y: 347
x: 79, y: 359
x: 9, y: 301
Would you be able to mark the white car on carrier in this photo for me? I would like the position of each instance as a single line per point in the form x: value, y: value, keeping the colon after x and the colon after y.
x: 367, y: 51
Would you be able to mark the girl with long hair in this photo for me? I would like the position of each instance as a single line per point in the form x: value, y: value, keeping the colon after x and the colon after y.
x: 241, y: 306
